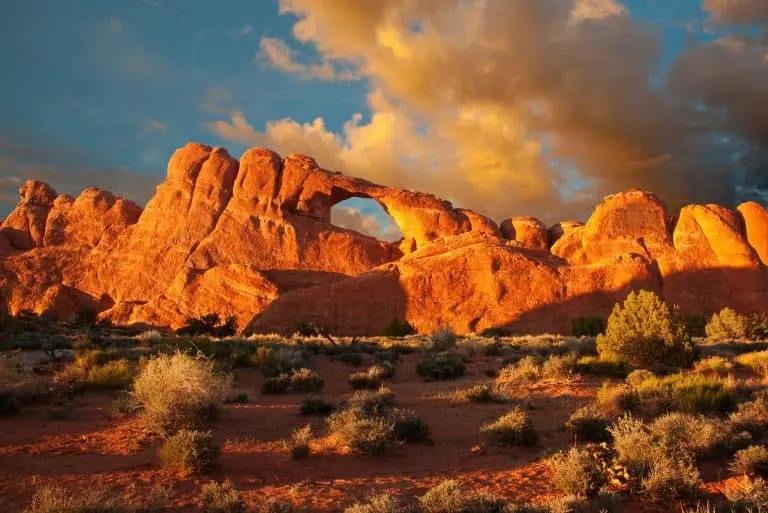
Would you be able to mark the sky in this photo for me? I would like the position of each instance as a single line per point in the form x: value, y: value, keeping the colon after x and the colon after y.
x: 506, y: 107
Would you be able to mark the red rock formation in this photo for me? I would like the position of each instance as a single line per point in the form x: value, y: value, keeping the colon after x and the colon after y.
x: 253, y: 239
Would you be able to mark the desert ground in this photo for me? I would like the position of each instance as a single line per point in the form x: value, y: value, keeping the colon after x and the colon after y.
x: 66, y: 428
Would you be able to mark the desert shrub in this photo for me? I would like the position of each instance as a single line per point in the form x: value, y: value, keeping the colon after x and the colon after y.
x: 589, y: 424
x: 692, y: 393
x: 442, y: 339
x: 577, y: 472
x: 558, y: 366
x: 481, y: 394
x: 513, y: 428
x: 440, y: 367
x: 399, y: 329
x: 750, y: 461
x: 751, y: 416
x: 177, y: 391
x: 190, y: 452
x: 726, y: 325
x: 283, y: 360
x: 124, y: 405
x: 685, y: 434
x: 637, y: 376
x: 310, y: 329
x: 409, y: 427
x: 670, y: 479
x: 757, y: 326
x: 450, y: 497
x: 695, y: 325
x: 618, y: 399
x: 587, y: 326
x: 644, y: 331
x: 750, y: 497
x: 276, y: 384
x: 316, y: 406
x: 306, y: 380
x: 274, y: 505
x: 112, y: 375
x: 384, y: 503
x: 361, y: 431
x: 600, y: 366
x: 55, y: 499
x: 17, y: 385
x: 716, y: 364
x: 526, y: 370
x: 221, y: 498
x: 209, y: 324
x: 633, y: 443
x: 387, y: 356
x: 363, y: 380
x: 757, y: 361
x: 373, y: 402
x: 298, y: 444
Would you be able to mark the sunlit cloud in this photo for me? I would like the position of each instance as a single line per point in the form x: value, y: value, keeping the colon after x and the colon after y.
x: 276, y: 53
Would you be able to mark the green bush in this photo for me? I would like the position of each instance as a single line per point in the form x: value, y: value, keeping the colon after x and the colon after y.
x: 587, y: 326
x: 600, y: 366
x: 513, y: 428
x: 221, y: 498
x: 634, y: 444
x: 178, y: 391
x: 750, y: 461
x: 110, y: 376
x: 409, y: 427
x: 398, y: 329
x: 727, y: 325
x: 589, y: 424
x: 683, y: 434
x: 691, y: 393
x: 442, y: 339
x: 577, y: 472
x: 450, y: 497
x: 440, y: 367
x: 645, y: 331
x: 316, y: 406
x: 190, y: 452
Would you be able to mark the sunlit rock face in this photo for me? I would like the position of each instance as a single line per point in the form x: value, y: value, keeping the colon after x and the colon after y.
x: 252, y: 238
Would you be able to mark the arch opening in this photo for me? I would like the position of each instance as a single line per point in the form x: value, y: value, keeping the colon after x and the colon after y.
x: 366, y: 216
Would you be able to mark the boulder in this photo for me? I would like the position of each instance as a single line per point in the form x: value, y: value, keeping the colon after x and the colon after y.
x: 528, y: 231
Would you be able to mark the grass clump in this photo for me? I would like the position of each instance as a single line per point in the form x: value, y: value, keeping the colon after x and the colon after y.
x: 306, y: 380
x: 602, y: 366
x: 589, y: 424
x: 644, y: 331
x: 750, y: 461
x: 715, y: 364
x: 442, y: 339
x: 362, y: 432
x: 190, y: 452
x: 671, y: 479
x: 577, y: 472
x: 558, y: 367
x: 277, y: 361
x: 481, y: 394
x: 751, y: 416
x: 372, y: 377
x: 726, y: 325
x: 384, y: 503
x: 692, y: 393
x: 57, y: 499
x: 450, y: 497
x: 513, y: 428
x: 685, y: 434
x: 757, y: 361
x: 409, y: 427
x: 750, y: 497
x: 441, y: 366
x: 221, y: 498
x: 298, y: 444
x: 316, y: 406
x: 112, y: 375
x: 634, y: 444
x: 178, y: 391
x: 525, y: 370
x: 618, y: 399
x: 373, y: 402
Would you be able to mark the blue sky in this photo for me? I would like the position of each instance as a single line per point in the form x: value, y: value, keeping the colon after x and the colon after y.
x: 104, y: 91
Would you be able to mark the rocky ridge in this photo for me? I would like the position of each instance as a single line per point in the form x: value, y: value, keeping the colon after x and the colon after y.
x: 253, y: 238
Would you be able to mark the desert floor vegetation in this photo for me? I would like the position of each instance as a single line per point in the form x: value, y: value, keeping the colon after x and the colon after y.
x: 543, y: 423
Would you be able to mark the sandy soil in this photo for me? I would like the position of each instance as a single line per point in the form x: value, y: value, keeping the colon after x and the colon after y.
x: 89, y: 449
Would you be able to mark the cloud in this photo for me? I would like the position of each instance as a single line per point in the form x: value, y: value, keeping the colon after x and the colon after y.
x: 245, y: 30
x: 276, y: 53
x: 520, y: 107
x: 65, y: 169
x: 354, y: 219
x: 154, y: 125
x: 738, y: 11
